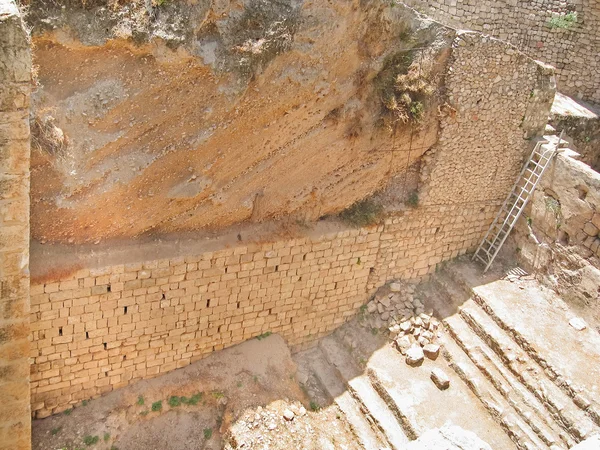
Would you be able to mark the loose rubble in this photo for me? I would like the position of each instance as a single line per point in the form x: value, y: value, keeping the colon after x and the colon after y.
x: 414, y: 355
x: 578, y: 323
x: 440, y: 379
x: 396, y: 307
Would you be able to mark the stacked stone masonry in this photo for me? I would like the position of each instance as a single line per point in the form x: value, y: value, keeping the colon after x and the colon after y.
x: 573, y: 50
x: 15, y: 67
x: 101, y: 329
x: 497, y: 99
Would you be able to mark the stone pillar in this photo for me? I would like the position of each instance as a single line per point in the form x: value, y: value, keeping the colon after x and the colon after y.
x: 15, y: 85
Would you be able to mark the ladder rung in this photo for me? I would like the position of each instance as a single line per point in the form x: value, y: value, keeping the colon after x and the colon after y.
x: 514, y: 204
x: 481, y: 259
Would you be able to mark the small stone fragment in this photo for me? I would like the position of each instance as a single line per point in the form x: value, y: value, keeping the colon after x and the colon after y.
x: 396, y: 287
x: 371, y: 307
x: 385, y: 316
x: 427, y: 335
x: 432, y: 351
x: 302, y: 377
x: 423, y: 341
x: 414, y: 355
x: 406, y: 326
x: 386, y: 301
x: 578, y: 323
x: 394, y: 331
x: 302, y: 411
x: 288, y: 415
x: 396, y: 299
x: 440, y: 378
x: 403, y: 344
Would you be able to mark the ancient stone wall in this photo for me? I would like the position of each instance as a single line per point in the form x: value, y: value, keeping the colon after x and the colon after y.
x: 573, y: 50
x: 497, y: 99
x: 102, y: 328
x: 15, y: 67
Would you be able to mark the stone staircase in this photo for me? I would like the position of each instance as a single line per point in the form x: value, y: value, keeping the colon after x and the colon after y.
x: 536, y: 403
x: 509, y: 386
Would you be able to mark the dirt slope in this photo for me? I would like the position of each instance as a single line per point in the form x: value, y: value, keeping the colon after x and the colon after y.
x: 246, y: 112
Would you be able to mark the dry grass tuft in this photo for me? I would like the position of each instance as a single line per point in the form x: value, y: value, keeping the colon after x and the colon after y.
x: 405, y: 84
x: 46, y: 136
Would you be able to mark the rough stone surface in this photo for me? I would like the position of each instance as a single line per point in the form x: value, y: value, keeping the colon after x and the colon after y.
x: 557, y: 243
x: 440, y: 379
x: 276, y: 117
x: 15, y: 76
x: 573, y: 50
x: 414, y: 355
x: 432, y: 351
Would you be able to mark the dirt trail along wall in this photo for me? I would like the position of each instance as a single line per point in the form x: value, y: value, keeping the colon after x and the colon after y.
x: 15, y: 77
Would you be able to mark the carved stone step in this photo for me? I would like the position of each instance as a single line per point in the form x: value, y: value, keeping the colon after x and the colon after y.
x: 569, y: 358
x: 361, y: 389
x: 498, y: 407
x: 333, y: 385
x: 528, y: 372
x: 421, y: 405
x: 523, y: 403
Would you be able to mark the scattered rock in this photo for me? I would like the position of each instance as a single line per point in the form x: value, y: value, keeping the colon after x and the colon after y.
x: 302, y: 377
x: 288, y: 415
x: 371, y: 307
x: 440, y: 379
x: 406, y: 326
x: 302, y: 411
x: 414, y: 355
x: 396, y: 287
x: 403, y: 344
x: 578, y: 323
x: 432, y: 351
x: 385, y: 301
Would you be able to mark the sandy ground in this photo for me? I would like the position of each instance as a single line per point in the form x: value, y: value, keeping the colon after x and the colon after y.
x: 252, y: 383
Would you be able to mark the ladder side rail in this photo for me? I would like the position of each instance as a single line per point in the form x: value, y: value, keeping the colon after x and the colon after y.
x: 512, y: 224
x: 513, y: 190
x: 516, y: 209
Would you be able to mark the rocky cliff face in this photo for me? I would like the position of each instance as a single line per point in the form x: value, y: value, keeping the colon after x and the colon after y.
x: 156, y: 118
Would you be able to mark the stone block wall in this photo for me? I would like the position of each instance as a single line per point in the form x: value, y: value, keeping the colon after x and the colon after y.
x: 497, y: 99
x: 102, y: 328
x: 572, y: 51
x: 15, y: 68
x: 411, y: 245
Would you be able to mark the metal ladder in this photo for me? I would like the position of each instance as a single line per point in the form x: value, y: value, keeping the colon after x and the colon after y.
x: 516, y: 201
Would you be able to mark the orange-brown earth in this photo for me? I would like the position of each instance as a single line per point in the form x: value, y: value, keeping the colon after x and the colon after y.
x: 161, y: 138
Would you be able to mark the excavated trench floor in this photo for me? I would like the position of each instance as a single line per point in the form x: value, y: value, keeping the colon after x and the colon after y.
x: 523, y: 368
